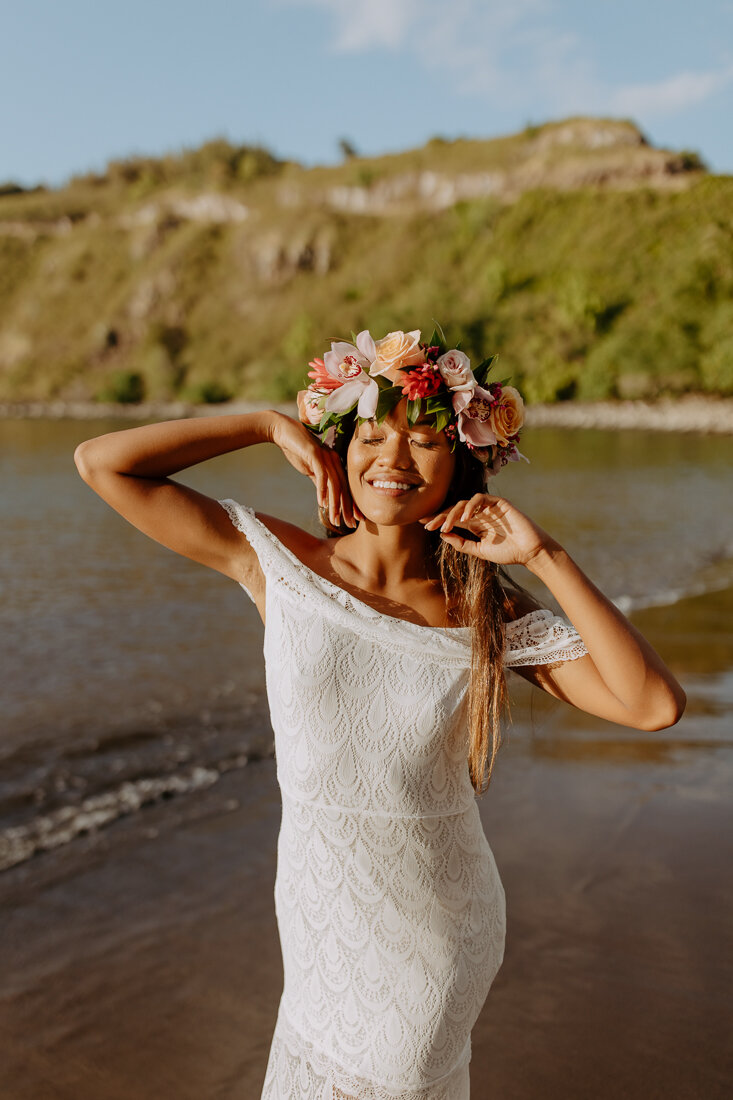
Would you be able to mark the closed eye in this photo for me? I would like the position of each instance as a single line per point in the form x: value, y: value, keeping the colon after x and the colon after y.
x: 375, y: 440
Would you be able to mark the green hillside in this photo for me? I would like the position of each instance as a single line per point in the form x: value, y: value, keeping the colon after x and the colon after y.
x: 597, y: 266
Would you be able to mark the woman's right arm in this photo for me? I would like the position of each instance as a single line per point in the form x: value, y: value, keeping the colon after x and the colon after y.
x: 131, y: 471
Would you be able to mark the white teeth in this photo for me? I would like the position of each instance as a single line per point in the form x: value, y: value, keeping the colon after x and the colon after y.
x: 390, y: 485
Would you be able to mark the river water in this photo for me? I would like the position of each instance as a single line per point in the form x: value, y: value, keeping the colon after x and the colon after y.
x: 131, y: 675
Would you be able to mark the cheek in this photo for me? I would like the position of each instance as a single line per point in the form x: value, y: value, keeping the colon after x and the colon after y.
x: 440, y: 477
x: 353, y: 468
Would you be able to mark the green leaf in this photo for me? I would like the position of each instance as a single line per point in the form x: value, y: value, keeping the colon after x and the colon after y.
x: 413, y: 411
x: 442, y: 419
x: 382, y: 382
x: 440, y: 330
x: 438, y: 402
x: 386, y: 401
x: 353, y: 337
x: 483, y: 369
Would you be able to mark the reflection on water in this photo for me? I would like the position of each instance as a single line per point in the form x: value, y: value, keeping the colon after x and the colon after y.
x: 130, y: 673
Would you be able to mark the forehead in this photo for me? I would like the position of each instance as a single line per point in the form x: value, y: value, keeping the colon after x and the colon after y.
x: 396, y: 420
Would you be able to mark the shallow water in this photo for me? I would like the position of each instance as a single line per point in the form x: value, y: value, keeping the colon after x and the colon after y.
x: 131, y: 675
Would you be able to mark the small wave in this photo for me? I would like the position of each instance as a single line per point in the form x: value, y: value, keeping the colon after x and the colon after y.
x: 61, y: 826
x: 666, y: 597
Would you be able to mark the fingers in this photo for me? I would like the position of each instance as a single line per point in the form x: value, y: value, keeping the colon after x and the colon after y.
x: 345, y: 502
x: 332, y: 486
x: 466, y: 546
x: 475, y: 504
x: 319, y: 478
x: 461, y: 512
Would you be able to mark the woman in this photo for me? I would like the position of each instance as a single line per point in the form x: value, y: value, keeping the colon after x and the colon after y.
x: 385, y: 651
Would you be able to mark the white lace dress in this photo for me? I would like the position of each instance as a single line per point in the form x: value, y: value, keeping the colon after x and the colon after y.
x: 389, y: 904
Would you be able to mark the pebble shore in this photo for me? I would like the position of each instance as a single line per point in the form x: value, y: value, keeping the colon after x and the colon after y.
x: 683, y: 414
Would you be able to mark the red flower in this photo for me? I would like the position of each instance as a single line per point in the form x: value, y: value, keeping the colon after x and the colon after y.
x: 322, y: 379
x: 423, y: 382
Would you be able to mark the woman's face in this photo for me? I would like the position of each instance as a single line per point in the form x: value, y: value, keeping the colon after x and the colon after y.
x: 399, y: 472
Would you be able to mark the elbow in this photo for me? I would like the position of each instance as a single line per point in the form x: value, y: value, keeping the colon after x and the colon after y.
x: 83, y: 462
x: 666, y: 712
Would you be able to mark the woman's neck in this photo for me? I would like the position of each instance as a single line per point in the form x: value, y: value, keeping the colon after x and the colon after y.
x: 385, y: 557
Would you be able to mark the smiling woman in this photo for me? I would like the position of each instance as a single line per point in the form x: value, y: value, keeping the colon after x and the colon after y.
x: 385, y: 655
x: 397, y: 461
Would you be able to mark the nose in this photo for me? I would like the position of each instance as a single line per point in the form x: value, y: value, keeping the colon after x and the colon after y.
x: 395, y: 453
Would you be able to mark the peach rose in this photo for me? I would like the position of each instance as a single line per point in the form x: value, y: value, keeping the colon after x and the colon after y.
x: 507, y: 415
x: 397, y: 349
x: 308, y: 408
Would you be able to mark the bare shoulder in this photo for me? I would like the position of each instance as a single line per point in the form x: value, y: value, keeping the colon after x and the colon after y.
x: 289, y: 534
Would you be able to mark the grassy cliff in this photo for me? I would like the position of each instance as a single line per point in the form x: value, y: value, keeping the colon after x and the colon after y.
x: 597, y: 266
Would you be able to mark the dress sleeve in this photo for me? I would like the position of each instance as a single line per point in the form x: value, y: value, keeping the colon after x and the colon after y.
x: 257, y: 535
x: 541, y: 638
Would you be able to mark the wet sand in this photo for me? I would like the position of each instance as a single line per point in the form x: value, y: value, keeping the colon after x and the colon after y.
x: 142, y: 961
x: 687, y: 413
x: 153, y: 970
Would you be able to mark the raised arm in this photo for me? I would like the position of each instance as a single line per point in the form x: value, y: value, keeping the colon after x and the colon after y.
x: 131, y: 471
x: 622, y: 678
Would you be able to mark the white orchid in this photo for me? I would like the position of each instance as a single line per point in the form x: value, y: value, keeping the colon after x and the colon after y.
x: 349, y: 366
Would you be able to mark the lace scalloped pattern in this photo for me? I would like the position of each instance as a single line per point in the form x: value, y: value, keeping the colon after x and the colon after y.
x: 298, y: 1069
x: 541, y: 638
x: 390, y: 908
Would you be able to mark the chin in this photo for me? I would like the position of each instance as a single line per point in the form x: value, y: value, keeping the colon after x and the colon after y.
x: 390, y: 514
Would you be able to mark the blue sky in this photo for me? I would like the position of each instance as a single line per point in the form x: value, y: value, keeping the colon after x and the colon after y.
x: 84, y: 81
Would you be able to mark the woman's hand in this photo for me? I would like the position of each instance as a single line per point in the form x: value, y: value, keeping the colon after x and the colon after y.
x: 504, y: 534
x: 323, y: 466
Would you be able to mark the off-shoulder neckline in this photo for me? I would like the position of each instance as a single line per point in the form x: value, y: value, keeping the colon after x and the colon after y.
x: 454, y: 631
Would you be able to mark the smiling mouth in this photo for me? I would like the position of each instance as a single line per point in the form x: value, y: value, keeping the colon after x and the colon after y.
x: 391, y: 487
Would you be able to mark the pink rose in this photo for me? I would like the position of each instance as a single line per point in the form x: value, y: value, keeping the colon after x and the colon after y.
x: 310, y: 405
x: 455, y: 367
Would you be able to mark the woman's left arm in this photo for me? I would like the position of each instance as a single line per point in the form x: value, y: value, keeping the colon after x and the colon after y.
x: 622, y: 679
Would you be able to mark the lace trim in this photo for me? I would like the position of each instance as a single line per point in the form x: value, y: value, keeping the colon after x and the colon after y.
x: 541, y: 638
x: 302, y: 585
x: 298, y: 1068
x: 538, y: 638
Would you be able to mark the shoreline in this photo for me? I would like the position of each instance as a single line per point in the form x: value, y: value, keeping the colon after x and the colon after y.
x: 616, y: 915
x: 692, y: 413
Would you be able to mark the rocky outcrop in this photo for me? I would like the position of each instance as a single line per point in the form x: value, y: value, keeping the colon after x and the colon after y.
x: 207, y: 207
x: 565, y: 157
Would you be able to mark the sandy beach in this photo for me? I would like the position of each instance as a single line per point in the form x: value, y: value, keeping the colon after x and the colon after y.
x: 141, y: 959
x: 153, y: 969
x: 691, y: 413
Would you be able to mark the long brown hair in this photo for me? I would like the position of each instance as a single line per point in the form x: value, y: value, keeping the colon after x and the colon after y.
x: 478, y: 595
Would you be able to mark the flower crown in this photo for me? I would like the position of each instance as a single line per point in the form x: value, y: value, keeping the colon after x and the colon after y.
x: 438, y: 383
